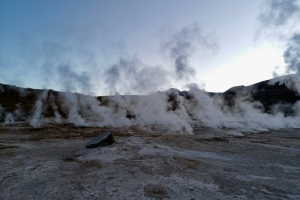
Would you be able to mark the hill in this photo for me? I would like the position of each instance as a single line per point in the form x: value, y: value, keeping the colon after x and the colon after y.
x: 175, y: 110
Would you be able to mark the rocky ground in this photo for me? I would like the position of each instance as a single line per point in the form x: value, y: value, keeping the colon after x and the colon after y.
x: 52, y: 162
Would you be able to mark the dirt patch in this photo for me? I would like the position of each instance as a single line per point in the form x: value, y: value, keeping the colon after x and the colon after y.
x: 157, y: 191
x: 213, y: 139
x: 7, y: 146
x: 272, y: 189
x: 190, y: 164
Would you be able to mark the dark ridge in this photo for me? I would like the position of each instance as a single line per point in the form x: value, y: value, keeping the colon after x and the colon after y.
x: 270, y: 93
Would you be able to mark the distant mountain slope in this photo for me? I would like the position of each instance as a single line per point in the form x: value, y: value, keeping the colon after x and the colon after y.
x: 172, y: 107
x: 280, y: 90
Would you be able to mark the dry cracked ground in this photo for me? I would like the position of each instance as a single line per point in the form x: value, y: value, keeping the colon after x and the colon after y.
x: 52, y: 162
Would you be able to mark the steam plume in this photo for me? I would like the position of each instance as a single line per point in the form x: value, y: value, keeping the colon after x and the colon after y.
x: 277, y: 13
x: 183, y: 45
x: 131, y: 75
x: 72, y: 81
x: 292, y: 55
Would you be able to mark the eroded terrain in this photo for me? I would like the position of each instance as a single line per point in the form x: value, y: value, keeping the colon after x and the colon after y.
x: 52, y: 162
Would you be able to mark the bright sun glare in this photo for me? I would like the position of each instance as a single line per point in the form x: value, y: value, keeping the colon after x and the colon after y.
x: 246, y: 68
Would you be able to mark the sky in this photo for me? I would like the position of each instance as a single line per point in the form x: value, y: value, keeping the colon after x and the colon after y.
x: 139, y: 47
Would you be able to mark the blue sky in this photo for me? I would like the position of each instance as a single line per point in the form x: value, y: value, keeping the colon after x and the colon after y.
x: 72, y: 45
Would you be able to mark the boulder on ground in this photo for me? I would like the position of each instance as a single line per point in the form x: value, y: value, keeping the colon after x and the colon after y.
x: 105, y: 137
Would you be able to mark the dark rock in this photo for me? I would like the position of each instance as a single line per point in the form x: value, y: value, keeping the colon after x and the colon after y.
x: 186, y: 94
x: 175, y: 92
x: 105, y: 137
x: 268, y: 93
x: 273, y: 94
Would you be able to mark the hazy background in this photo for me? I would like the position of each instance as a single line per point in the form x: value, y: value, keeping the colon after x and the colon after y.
x: 139, y: 47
